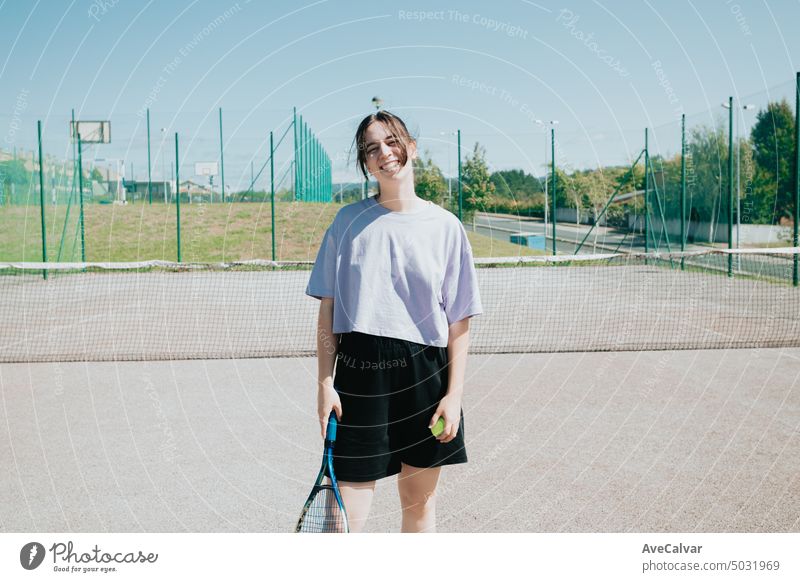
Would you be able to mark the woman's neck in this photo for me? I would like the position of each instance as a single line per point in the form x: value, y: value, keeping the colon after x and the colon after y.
x: 398, y: 197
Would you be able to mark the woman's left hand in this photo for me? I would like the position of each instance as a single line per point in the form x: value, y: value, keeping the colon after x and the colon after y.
x: 449, y: 409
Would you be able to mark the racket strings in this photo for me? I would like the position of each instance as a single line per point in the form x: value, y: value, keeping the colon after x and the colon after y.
x: 324, y: 514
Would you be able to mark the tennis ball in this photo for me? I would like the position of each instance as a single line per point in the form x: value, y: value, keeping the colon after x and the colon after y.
x: 438, y: 428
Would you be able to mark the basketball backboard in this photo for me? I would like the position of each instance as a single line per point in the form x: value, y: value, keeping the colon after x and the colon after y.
x: 91, y: 131
x: 206, y: 169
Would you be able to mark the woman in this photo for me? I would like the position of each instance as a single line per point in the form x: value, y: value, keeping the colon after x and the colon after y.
x: 397, y: 286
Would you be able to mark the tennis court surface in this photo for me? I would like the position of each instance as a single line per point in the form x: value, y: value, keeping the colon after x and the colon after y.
x: 676, y: 441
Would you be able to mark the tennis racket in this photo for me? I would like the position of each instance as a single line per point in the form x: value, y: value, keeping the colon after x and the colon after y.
x: 324, y: 510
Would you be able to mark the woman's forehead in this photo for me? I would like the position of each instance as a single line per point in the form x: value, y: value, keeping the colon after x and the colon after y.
x: 377, y: 131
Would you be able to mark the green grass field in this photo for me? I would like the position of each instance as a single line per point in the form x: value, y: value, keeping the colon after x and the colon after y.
x: 209, y: 233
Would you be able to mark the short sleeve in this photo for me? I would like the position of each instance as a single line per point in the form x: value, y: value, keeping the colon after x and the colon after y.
x: 460, y: 291
x: 323, y: 275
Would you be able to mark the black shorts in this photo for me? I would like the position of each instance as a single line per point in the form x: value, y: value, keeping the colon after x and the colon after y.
x: 389, y: 388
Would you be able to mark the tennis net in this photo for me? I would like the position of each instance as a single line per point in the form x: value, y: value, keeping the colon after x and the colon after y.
x: 158, y: 310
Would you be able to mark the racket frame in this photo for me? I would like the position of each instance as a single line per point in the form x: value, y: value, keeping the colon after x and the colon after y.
x: 326, y: 471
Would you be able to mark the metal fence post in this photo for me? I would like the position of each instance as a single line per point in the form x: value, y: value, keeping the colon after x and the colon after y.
x: 149, y: 174
x: 296, y: 154
x: 646, y: 194
x: 272, y: 189
x: 796, y: 238
x: 730, y: 185
x: 460, y: 197
x: 80, y: 190
x: 178, y: 195
x: 683, y: 186
x: 554, y: 189
x: 41, y: 198
x: 221, y: 156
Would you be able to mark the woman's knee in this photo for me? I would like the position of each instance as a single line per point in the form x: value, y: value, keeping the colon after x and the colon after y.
x: 419, y: 504
x: 417, y: 497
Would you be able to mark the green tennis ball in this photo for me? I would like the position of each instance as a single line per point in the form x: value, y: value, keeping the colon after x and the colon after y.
x: 438, y: 428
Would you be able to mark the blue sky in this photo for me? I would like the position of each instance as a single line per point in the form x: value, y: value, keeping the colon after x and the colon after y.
x: 604, y: 70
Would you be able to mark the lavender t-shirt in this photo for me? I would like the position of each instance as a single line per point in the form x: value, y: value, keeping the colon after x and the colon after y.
x: 406, y: 275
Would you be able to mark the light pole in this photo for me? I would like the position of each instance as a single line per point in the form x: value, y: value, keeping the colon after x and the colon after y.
x: 544, y: 125
x: 163, y: 164
x: 746, y: 107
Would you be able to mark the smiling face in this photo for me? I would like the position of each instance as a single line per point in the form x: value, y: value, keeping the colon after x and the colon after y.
x: 387, y: 157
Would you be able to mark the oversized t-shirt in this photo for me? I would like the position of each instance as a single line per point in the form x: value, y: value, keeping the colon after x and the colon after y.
x: 405, y: 275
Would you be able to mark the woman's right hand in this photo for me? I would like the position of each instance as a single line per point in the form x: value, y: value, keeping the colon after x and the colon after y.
x: 327, y: 400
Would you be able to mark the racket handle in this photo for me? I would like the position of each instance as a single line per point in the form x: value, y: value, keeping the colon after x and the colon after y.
x: 330, y: 435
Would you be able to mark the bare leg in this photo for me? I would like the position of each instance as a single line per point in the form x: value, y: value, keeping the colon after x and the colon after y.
x: 417, y: 489
x: 357, y: 498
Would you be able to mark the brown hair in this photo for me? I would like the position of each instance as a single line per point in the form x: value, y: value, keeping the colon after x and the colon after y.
x: 394, y: 125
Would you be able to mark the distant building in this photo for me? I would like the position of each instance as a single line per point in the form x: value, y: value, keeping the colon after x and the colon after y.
x: 190, y: 191
x: 161, y: 191
x: 196, y: 192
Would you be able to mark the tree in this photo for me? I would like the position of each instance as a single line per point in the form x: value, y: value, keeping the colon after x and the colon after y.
x: 96, y: 176
x: 707, y: 175
x: 773, y: 146
x: 429, y: 182
x: 13, y: 177
x: 476, y: 185
x: 14, y: 172
x: 516, y: 184
x: 564, y: 190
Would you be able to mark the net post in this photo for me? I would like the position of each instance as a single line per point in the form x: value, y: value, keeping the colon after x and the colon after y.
x: 272, y: 189
x: 796, y: 233
x: 80, y: 195
x: 178, y: 196
x: 730, y: 185
x: 460, y: 196
x: 221, y: 157
x: 41, y: 198
x: 683, y: 186
x: 149, y: 172
x: 553, y: 187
